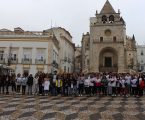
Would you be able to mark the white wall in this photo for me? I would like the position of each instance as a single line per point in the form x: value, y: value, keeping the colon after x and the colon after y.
x: 22, y: 44
x: 141, y: 58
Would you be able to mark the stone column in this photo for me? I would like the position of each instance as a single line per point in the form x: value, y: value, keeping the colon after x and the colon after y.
x: 121, y: 60
x: 20, y: 55
x: 6, y: 52
x: 33, y: 55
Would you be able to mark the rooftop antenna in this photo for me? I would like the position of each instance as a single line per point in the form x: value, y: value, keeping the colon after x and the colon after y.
x: 51, y: 24
x: 52, y: 30
x: 55, y: 25
x: 119, y: 11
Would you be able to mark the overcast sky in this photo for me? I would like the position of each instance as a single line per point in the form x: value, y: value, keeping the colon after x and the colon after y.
x: 73, y: 15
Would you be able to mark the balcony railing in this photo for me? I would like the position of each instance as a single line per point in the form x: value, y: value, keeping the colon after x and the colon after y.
x: 26, y: 61
x: 39, y: 61
x: 2, y: 61
x: 55, y: 64
x: 14, y: 61
x: 108, y: 69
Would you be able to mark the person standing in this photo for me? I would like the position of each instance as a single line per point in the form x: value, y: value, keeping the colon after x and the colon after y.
x: 7, y: 78
x: 86, y: 84
x: 65, y: 85
x: 92, y: 84
x: 59, y: 85
x: 0, y: 84
x: 134, y: 85
x: 123, y: 86
x: 13, y: 83
x: 74, y: 85
x: 141, y: 85
x: 113, y: 81
x: 128, y: 83
x: 46, y: 84
x: 53, y: 84
x: 18, y: 82
x: 98, y: 84
x: 109, y: 87
x: 36, y: 85
x: 40, y: 82
x: 81, y: 84
x: 104, y: 83
x: 24, y: 83
x: 30, y: 84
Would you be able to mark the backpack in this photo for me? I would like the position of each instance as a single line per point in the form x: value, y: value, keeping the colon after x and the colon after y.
x: 142, y: 84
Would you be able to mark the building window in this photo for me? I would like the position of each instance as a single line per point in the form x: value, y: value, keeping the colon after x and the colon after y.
x: 64, y: 68
x: 104, y: 19
x: 101, y: 39
x: 142, y: 68
x: 107, y: 32
x: 111, y: 19
x: 141, y: 53
x: 14, y: 56
x: 114, y: 39
x: 27, y: 53
x: 88, y: 62
x: 1, y: 55
x: 40, y: 54
x: 68, y: 69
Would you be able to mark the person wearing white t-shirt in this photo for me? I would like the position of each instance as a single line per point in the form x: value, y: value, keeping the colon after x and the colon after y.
x: 113, y: 81
x: 128, y: 83
x: 46, y: 85
x: 18, y: 82
x: 86, y: 84
x: 91, y: 85
x: 123, y: 87
x: 134, y: 85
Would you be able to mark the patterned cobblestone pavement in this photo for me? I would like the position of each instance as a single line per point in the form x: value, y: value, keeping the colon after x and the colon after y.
x: 18, y: 107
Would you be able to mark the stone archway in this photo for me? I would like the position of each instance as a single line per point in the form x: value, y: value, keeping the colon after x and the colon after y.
x: 108, y: 60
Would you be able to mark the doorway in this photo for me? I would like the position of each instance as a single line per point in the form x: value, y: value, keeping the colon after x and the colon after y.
x: 108, y: 62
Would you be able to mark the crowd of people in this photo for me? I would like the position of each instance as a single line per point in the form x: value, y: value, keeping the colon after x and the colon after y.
x: 91, y: 84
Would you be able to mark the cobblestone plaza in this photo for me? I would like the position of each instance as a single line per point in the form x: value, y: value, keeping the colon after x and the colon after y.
x: 18, y: 107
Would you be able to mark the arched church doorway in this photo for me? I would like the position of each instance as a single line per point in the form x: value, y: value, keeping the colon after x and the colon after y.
x: 108, y: 60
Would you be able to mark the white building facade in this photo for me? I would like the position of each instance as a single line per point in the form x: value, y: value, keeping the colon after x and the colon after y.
x: 141, y: 58
x: 29, y: 52
x: 66, y: 49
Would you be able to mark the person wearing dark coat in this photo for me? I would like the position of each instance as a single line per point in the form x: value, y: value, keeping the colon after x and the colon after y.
x: 7, y: 83
x: 30, y: 84
x: 3, y: 83
x: 0, y: 84
x: 13, y: 83
x: 53, y: 83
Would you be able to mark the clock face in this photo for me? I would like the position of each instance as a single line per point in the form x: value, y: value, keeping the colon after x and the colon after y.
x: 108, y: 32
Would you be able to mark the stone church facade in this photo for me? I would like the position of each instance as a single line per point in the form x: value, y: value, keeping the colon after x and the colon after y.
x: 107, y: 48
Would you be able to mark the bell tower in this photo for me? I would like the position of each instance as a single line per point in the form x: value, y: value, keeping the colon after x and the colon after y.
x: 107, y: 39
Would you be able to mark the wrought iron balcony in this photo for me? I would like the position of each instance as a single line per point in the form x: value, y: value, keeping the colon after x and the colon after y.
x: 40, y: 61
x: 27, y: 61
x: 13, y: 61
x: 55, y: 64
x: 108, y: 69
